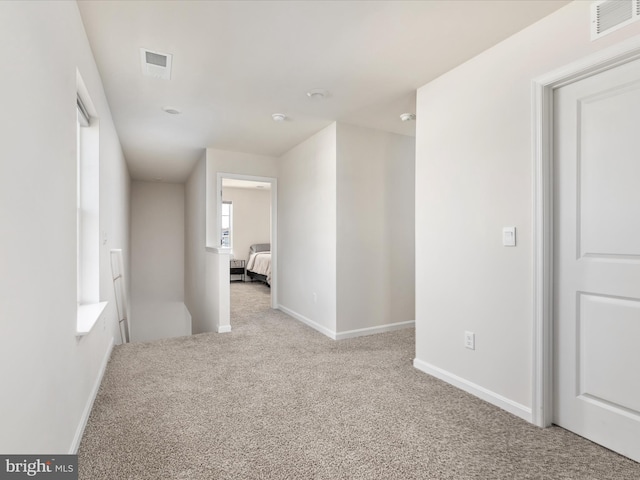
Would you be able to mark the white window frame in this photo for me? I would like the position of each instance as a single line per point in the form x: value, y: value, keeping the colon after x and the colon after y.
x: 90, y: 309
x: 230, y: 228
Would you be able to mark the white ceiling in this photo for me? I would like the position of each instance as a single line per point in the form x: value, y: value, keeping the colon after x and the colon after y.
x: 237, y: 62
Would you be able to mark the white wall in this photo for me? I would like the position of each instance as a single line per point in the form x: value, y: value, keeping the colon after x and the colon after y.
x: 251, y: 218
x: 157, y: 258
x: 222, y: 161
x: 473, y: 177
x: 375, y: 228
x: 194, y: 254
x: 48, y: 375
x: 307, y: 229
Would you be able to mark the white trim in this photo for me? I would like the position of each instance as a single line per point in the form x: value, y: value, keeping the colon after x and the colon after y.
x: 87, y: 316
x: 493, y: 398
x: 219, y: 250
x: 361, y: 332
x: 542, y: 256
x: 542, y: 136
x: 605, y: 59
x: 223, y: 328
x: 316, y: 326
x: 75, y: 444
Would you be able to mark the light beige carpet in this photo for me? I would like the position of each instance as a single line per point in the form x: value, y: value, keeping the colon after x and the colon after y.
x: 274, y: 399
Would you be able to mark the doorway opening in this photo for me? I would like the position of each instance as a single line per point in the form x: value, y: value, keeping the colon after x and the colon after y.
x: 247, y: 226
x: 547, y: 151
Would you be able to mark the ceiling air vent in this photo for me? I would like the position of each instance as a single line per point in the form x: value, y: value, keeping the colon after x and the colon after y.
x: 609, y: 15
x: 156, y: 64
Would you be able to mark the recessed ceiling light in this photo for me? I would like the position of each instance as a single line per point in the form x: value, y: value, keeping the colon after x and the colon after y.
x: 172, y: 110
x: 317, y: 94
x: 407, y: 117
x: 279, y: 117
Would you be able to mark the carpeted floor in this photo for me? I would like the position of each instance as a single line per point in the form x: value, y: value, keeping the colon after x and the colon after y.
x: 274, y: 399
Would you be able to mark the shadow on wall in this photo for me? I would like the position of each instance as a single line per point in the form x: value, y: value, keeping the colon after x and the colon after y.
x: 155, y: 320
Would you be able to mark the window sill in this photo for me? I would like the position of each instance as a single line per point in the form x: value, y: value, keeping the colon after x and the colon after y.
x: 220, y: 250
x: 88, y: 316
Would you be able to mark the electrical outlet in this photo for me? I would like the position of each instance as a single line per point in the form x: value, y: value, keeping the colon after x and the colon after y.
x: 470, y: 340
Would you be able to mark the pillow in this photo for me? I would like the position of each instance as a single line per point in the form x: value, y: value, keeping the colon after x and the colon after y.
x: 260, y: 247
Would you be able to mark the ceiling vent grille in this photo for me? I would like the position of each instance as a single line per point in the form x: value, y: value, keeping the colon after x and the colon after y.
x: 610, y: 15
x: 156, y: 64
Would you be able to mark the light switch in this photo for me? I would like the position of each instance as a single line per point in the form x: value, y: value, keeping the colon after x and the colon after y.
x: 509, y: 236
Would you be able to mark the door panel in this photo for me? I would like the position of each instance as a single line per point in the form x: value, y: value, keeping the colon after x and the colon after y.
x: 597, y: 258
x: 606, y: 325
x: 609, y: 172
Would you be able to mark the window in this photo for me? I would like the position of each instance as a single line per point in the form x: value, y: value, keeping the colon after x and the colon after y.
x: 82, y: 120
x: 87, y: 214
x: 227, y: 224
x: 87, y: 206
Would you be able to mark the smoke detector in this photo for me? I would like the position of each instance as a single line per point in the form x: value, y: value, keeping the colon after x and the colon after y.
x: 407, y: 117
x: 156, y: 64
x: 317, y: 94
x: 172, y: 110
x: 279, y: 117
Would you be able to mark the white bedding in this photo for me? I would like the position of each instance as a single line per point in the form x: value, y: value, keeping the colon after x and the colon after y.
x: 260, y: 262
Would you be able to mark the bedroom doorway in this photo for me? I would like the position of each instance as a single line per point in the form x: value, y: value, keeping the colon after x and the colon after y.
x: 247, y: 222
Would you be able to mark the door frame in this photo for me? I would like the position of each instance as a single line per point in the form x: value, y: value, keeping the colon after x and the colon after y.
x: 274, y: 222
x: 543, y: 213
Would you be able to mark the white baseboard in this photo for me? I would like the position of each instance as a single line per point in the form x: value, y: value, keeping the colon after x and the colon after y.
x: 316, y: 326
x: 223, y: 328
x: 487, y: 395
x: 75, y: 444
x: 361, y: 332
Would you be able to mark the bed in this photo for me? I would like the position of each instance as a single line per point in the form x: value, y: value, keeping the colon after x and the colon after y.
x: 259, y: 263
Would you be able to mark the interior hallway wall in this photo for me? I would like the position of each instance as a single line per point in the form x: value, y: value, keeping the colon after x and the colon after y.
x: 474, y: 177
x: 194, y: 252
x: 157, y: 260
x: 49, y: 375
x: 375, y: 228
x: 307, y: 230
x: 346, y: 231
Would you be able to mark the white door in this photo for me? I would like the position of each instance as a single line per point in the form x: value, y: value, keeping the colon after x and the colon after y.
x: 597, y: 258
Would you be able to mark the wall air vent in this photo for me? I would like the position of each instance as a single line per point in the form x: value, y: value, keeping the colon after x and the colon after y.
x: 156, y: 64
x: 609, y: 15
